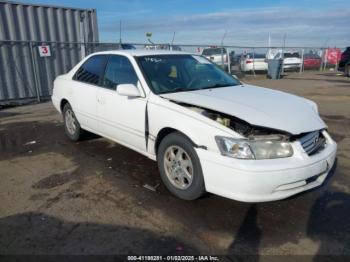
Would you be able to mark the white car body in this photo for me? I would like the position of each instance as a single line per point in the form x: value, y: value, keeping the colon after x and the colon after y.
x: 249, y: 63
x: 125, y: 121
x: 290, y: 61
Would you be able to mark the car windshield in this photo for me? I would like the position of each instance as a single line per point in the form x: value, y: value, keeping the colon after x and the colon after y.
x: 179, y: 73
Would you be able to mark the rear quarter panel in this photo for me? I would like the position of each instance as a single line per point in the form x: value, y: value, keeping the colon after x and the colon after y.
x: 60, y: 90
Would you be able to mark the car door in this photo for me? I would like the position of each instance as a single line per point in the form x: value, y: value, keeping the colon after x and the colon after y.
x: 83, y: 91
x: 121, y: 118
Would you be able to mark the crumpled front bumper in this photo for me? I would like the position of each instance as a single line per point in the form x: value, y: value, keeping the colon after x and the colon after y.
x: 266, y: 180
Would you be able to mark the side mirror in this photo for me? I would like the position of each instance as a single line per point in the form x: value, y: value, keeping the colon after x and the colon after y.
x: 128, y: 90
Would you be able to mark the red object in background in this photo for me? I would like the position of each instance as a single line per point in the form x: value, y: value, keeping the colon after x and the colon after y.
x: 332, y: 56
x: 312, y: 61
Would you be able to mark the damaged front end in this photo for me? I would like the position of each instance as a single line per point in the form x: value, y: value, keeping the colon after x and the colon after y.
x: 240, y: 126
x: 258, y: 142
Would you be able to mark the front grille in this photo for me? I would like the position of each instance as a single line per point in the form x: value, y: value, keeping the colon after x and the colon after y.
x: 313, y: 142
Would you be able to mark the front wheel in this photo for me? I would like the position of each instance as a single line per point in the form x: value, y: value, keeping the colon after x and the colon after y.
x: 179, y: 167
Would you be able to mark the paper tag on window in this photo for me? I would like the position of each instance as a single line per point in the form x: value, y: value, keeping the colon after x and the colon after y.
x: 201, y: 59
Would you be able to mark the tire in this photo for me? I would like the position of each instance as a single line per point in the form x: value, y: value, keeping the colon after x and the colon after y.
x: 181, y: 177
x: 71, y: 125
x: 347, y: 70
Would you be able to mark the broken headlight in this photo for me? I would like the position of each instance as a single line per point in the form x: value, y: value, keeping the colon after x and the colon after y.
x: 253, y: 149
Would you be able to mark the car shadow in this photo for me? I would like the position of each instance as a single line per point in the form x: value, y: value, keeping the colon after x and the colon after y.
x: 38, y: 233
x: 247, y: 239
x: 327, y: 226
x: 207, y: 219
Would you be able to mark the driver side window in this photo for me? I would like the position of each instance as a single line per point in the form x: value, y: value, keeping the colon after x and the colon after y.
x: 119, y: 70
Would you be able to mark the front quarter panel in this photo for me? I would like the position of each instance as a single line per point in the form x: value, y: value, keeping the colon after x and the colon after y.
x: 163, y: 113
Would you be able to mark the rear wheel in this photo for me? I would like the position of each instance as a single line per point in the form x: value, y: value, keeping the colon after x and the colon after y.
x: 179, y: 167
x: 71, y: 124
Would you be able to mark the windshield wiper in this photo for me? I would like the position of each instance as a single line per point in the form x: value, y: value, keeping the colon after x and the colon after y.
x: 216, y: 86
x: 184, y: 89
x: 178, y: 89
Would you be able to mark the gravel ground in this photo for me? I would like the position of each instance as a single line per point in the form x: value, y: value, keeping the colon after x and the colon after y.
x: 58, y: 197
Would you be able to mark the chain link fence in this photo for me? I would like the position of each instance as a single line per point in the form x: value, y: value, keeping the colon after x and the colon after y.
x: 26, y: 75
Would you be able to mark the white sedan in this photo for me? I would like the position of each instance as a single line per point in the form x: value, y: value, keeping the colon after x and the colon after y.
x: 253, y: 62
x: 207, y: 131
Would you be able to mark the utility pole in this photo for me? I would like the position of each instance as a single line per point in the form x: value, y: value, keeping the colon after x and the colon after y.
x: 284, y: 46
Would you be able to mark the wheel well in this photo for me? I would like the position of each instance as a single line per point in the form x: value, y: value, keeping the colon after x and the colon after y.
x: 63, y: 103
x: 166, y: 131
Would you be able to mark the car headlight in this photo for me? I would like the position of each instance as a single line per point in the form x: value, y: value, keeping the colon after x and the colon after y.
x: 253, y: 149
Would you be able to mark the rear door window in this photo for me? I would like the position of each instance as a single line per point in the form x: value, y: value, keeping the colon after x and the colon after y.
x: 119, y: 70
x: 91, y: 71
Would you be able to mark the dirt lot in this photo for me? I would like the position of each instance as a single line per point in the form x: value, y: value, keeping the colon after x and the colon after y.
x: 57, y: 197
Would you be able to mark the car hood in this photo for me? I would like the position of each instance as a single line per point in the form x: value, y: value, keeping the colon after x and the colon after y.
x: 258, y: 106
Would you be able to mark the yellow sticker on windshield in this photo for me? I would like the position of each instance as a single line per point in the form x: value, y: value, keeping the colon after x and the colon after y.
x: 173, y: 72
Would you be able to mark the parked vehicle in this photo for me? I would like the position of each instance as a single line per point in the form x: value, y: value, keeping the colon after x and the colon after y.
x: 207, y: 131
x: 250, y: 62
x: 344, y: 63
x: 127, y: 46
x: 175, y: 48
x: 311, y: 61
x: 236, y: 58
x: 216, y: 55
x: 163, y: 47
x: 332, y: 56
x: 291, y: 59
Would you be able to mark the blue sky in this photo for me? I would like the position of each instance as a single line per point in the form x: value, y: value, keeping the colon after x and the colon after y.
x: 305, y: 23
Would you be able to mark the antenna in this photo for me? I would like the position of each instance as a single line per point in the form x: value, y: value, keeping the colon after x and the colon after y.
x: 172, y: 41
x: 120, y: 31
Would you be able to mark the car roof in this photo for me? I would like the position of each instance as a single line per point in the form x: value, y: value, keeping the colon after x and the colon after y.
x: 143, y: 52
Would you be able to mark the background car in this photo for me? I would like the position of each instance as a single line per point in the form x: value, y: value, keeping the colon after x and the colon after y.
x: 332, y: 56
x: 250, y: 62
x: 344, y: 64
x: 127, y: 46
x: 217, y: 55
x: 312, y: 61
x: 291, y: 59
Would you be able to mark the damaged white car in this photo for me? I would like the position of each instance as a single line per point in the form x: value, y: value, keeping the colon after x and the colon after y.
x: 207, y: 131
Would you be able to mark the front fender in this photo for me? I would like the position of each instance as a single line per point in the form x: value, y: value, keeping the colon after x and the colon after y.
x: 170, y: 115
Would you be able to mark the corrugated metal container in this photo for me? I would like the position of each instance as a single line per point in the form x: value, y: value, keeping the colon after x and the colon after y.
x: 24, y: 27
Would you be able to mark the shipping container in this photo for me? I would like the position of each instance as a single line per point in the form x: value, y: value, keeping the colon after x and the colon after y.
x: 27, y: 29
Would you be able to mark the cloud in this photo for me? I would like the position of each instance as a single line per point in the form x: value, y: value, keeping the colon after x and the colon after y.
x: 245, y: 26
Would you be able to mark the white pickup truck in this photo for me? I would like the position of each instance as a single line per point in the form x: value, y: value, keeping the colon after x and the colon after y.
x: 217, y: 55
